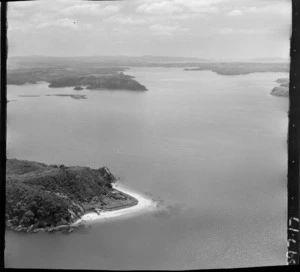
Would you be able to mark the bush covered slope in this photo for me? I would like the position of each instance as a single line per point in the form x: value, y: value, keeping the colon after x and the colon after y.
x: 110, y: 82
x: 40, y: 195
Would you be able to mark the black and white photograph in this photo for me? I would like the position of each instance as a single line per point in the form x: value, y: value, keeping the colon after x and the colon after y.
x: 147, y: 134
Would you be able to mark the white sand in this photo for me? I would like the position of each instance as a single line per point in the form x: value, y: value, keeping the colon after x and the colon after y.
x: 144, y: 204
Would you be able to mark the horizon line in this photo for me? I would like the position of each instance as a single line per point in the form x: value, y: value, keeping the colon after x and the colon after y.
x: 154, y: 56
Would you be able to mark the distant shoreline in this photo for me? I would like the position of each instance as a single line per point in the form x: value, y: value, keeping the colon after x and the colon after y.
x: 107, y: 78
x: 232, y: 69
x: 108, y: 73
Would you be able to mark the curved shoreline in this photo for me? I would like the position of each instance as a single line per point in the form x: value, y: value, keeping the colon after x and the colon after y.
x: 56, y: 207
x: 144, y: 204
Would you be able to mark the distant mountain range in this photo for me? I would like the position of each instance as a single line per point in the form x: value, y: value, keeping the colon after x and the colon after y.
x: 114, y: 59
x: 143, y: 59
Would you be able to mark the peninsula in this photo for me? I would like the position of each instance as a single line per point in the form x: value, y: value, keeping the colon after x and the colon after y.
x: 52, y: 197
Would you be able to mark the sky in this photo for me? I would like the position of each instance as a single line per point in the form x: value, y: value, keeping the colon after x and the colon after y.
x: 214, y: 29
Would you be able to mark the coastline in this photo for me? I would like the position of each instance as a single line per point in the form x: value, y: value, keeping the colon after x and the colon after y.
x: 56, y: 207
x: 142, y: 205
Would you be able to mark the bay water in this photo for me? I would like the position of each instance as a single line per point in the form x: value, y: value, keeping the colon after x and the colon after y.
x: 212, y: 148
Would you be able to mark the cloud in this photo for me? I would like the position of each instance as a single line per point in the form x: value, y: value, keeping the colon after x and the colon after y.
x: 232, y: 31
x: 20, y: 9
x: 235, y: 12
x: 91, y: 9
x: 65, y: 23
x: 14, y: 13
x: 279, y: 8
x: 191, y: 24
x: 39, y: 5
x: 24, y: 4
x: 18, y: 28
x: 39, y: 17
x: 166, y: 30
x: 125, y: 20
x: 166, y: 7
x: 199, y: 6
x: 186, y: 16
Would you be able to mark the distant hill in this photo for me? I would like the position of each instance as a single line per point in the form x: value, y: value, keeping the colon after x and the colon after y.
x: 241, y: 68
x: 69, y: 73
x: 285, y: 60
x: 79, y: 71
x: 105, y: 59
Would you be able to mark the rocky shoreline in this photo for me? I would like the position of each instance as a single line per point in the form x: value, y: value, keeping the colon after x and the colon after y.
x: 31, y: 229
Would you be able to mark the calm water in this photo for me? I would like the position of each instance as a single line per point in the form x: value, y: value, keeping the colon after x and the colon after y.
x: 212, y: 147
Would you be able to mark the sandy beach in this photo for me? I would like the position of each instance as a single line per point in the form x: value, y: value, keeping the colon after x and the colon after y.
x: 144, y: 204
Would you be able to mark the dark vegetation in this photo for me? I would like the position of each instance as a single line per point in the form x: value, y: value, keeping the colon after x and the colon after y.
x: 74, y: 96
x: 69, y: 73
x: 284, y: 82
x: 78, y: 88
x: 107, y: 72
x: 48, y: 196
x: 117, y: 81
x: 283, y: 89
x: 239, y: 68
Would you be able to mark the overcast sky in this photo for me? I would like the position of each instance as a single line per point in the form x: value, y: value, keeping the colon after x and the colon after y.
x: 226, y: 29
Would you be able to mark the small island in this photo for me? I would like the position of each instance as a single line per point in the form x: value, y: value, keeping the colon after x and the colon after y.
x: 283, y: 89
x: 78, y: 88
x: 29, y: 95
x: 117, y: 81
x: 42, y: 197
x: 74, y: 96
